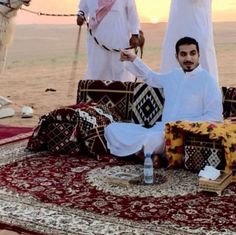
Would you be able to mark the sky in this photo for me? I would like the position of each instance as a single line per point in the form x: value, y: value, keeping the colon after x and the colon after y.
x: 153, y: 11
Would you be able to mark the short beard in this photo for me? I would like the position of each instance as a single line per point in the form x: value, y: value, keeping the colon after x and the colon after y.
x: 190, y: 69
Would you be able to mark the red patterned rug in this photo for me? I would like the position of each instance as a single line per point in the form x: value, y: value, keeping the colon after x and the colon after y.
x: 50, y: 194
x: 11, y: 134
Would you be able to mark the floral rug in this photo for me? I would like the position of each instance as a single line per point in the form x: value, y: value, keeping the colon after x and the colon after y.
x: 46, y: 194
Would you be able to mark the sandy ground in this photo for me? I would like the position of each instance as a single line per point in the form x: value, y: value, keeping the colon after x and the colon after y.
x: 7, y: 232
x: 41, y: 57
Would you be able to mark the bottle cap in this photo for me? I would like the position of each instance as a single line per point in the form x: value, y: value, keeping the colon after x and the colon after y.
x: 148, y: 155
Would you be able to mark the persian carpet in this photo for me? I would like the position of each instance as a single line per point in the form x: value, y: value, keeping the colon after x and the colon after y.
x: 11, y: 134
x: 48, y: 194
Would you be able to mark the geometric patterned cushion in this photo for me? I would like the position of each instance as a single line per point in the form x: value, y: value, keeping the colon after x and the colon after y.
x: 55, y: 127
x: 201, y: 151
x: 91, y: 127
x: 58, y: 135
x: 69, y: 130
x: 113, y: 94
x: 92, y: 117
x: 196, y: 158
x: 229, y: 101
x: 95, y: 141
x: 89, y: 131
x: 148, y: 105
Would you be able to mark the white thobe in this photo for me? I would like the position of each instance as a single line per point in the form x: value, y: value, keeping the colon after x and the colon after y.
x: 190, y: 96
x: 190, y: 18
x: 114, y: 32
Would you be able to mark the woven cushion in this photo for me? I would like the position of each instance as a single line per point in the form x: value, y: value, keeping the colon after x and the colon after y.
x: 59, y: 135
x: 229, y: 104
x: 95, y: 141
x: 148, y: 104
x: 54, y: 132
x: 69, y: 130
x: 95, y: 116
x: 201, y: 151
x: 113, y: 94
x: 38, y: 141
x: 91, y: 127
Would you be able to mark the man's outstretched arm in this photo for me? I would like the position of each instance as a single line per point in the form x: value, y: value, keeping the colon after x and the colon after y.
x: 137, y: 67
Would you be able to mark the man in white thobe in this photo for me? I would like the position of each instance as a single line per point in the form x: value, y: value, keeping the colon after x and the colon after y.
x: 190, y: 18
x: 191, y: 94
x: 114, y: 24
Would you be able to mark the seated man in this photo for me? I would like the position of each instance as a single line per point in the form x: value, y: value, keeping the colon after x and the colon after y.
x: 191, y: 94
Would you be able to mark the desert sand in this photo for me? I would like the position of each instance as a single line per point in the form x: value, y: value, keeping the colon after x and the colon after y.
x: 41, y: 57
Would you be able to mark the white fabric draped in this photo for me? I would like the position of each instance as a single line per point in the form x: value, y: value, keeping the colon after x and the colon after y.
x: 190, y: 18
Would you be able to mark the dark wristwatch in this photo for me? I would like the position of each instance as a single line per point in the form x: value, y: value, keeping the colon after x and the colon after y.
x: 81, y: 13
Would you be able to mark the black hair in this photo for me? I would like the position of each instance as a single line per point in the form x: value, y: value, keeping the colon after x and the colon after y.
x: 186, y: 41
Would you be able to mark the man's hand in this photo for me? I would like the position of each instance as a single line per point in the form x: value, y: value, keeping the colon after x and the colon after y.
x: 134, y: 41
x: 80, y: 20
x: 126, y: 55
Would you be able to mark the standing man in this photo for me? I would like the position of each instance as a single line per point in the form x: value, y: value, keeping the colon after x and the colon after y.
x: 114, y: 24
x: 191, y: 94
x: 190, y: 18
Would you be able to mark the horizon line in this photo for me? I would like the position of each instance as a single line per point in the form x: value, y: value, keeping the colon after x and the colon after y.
x: 145, y: 22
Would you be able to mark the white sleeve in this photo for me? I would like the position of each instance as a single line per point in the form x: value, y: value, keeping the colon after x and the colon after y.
x: 133, y: 18
x: 142, y: 71
x: 213, y: 104
x: 83, y: 6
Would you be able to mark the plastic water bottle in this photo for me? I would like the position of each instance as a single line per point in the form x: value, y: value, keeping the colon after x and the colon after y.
x: 148, y: 169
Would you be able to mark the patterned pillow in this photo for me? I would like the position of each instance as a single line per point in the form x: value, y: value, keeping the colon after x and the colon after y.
x: 95, y: 116
x: 112, y: 94
x: 95, y: 141
x: 174, y: 145
x: 91, y: 127
x: 59, y: 139
x: 38, y: 140
x: 229, y: 101
x: 148, y: 104
x: 54, y: 131
x: 201, y: 151
x: 73, y: 130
